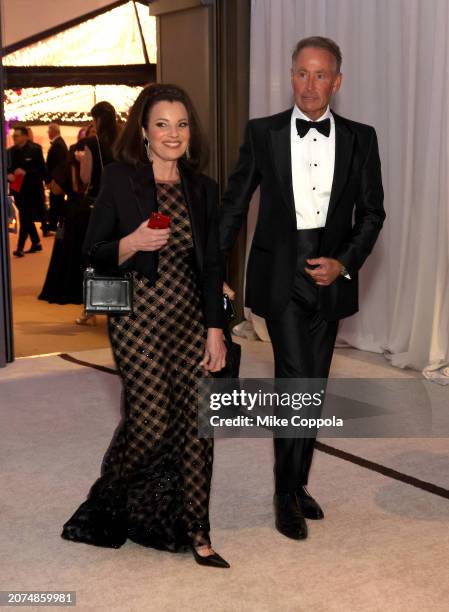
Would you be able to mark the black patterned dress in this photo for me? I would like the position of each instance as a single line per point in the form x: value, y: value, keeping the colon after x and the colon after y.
x: 155, y: 479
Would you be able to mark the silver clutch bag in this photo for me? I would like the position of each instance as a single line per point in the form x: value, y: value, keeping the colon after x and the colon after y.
x: 104, y: 294
x: 111, y: 295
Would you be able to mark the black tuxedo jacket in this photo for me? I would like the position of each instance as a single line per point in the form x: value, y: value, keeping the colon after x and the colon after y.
x: 354, y: 219
x: 31, y: 159
x: 57, y: 157
x: 127, y: 197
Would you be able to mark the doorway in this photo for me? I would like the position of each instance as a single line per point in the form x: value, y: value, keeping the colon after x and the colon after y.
x: 56, y: 77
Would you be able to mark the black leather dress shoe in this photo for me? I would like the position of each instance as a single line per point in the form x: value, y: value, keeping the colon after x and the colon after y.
x: 18, y: 254
x: 35, y: 248
x: 310, y: 508
x: 289, y: 517
x: 213, y: 560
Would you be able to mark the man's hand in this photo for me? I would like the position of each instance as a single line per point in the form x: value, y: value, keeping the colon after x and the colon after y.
x: 230, y: 292
x: 327, y: 271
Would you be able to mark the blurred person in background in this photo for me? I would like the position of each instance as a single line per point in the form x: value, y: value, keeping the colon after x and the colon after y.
x: 62, y: 282
x: 76, y: 152
x: 26, y: 174
x: 57, y: 167
x: 44, y: 219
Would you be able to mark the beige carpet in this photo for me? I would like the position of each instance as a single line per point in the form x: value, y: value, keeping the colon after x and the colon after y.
x: 42, y: 328
x: 383, y: 545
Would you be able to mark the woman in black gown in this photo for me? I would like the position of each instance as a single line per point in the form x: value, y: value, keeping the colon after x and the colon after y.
x: 155, y: 480
x: 62, y: 283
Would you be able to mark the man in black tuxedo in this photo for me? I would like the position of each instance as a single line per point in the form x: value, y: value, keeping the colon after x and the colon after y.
x: 26, y: 158
x: 57, y: 166
x: 321, y: 210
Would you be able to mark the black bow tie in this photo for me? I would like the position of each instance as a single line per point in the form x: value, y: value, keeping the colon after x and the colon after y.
x: 303, y: 126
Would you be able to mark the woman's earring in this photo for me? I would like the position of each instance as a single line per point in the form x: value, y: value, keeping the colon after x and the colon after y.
x: 146, y: 143
x: 187, y: 152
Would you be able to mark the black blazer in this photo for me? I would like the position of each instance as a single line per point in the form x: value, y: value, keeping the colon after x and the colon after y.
x: 57, y: 157
x: 265, y: 160
x: 31, y: 159
x: 127, y: 198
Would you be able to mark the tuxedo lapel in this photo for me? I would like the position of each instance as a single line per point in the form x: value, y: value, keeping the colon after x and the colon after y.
x: 344, y: 144
x: 282, y: 160
x: 144, y: 189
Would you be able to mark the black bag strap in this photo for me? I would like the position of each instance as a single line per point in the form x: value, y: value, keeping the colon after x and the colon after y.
x: 92, y: 252
x: 99, y: 151
x: 101, y: 163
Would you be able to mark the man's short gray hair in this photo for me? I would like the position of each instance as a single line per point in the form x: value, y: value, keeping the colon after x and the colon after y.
x: 319, y: 42
x: 55, y: 127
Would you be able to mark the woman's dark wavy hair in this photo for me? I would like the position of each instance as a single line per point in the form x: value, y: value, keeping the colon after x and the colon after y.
x: 129, y: 147
x: 107, y: 129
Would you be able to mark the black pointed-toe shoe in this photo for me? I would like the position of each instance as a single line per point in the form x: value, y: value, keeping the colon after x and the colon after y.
x: 290, y: 520
x: 310, y: 508
x: 213, y: 560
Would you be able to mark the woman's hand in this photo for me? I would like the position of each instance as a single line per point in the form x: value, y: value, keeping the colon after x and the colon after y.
x: 145, y: 238
x: 142, y: 239
x: 79, y: 154
x: 230, y: 292
x: 214, y: 358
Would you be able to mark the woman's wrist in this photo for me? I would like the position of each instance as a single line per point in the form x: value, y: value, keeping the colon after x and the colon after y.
x: 128, y: 244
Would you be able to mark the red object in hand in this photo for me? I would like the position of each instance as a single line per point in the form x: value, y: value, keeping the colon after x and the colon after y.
x: 16, y: 185
x: 159, y: 221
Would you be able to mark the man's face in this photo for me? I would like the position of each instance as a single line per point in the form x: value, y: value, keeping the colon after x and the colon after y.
x: 19, y: 138
x: 314, y: 80
x: 52, y: 133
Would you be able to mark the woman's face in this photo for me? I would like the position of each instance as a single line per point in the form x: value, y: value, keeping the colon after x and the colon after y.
x: 168, y: 130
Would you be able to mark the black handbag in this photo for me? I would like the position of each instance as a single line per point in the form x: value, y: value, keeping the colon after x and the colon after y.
x: 234, y: 350
x: 103, y: 294
x: 60, y: 230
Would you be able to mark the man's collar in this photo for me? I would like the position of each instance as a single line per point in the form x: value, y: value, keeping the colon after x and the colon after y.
x: 298, y: 114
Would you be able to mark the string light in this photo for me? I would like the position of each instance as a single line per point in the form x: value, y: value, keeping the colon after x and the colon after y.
x: 69, y: 104
x: 109, y: 39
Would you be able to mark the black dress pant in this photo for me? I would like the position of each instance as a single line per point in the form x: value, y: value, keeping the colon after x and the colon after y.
x: 303, y: 343
x: 27, y: 228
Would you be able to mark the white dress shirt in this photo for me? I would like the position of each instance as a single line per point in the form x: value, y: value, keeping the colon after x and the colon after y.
x: 313, y: 159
